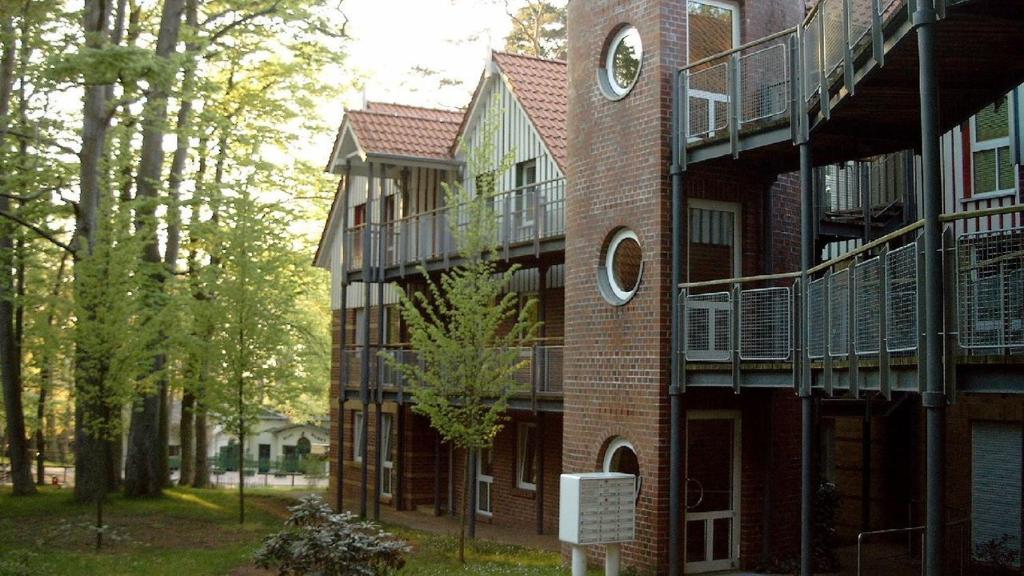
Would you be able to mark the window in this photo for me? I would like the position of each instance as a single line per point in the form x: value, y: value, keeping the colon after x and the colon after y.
x: 523, y: 199
x: 712, y: 28
x: 357, y: 436
x: 992, y: 163
x: 713, y: 242
x: 484, y: 482
x: 622, y: 63
x: 387, y: 471
x: 621, y: 267
x: 360, y: 326
x: 527, y: 457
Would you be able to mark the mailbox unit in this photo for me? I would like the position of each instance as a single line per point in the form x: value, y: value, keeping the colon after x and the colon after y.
x: 597, y: 508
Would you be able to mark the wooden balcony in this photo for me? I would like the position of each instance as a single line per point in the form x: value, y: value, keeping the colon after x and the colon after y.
x: 539, y: 381
x: 856, y: 323
x: 530, y: 224
x: 847, y: 75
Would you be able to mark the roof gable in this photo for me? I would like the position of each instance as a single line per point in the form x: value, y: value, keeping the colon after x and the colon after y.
x: 541, y: 86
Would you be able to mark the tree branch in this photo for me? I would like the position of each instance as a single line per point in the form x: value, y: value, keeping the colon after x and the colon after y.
x: 42, y: 232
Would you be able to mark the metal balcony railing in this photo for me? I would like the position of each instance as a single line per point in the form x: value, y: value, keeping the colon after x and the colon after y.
x: 776, y: 81
x: 541, y: 375
x: 866, y: 304
x: 884, y: 182
x: 525, y: 215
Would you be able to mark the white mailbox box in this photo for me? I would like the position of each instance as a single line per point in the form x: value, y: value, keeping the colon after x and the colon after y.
x: 597, y: 508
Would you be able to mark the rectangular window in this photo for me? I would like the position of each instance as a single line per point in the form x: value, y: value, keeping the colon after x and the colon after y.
x: 713, y: 242
x: 387, y: 473
x: 527, y: 457
x: 992, y: 164
x: 523, y: 201
x: 357, y: 436
x: 485, y: 482
x: 360, y: 328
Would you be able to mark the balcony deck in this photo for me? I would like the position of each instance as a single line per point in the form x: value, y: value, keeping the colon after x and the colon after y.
x: 754, y: 103
x: 855, y: 323
x: 530, y: 226
x: 539, y: 381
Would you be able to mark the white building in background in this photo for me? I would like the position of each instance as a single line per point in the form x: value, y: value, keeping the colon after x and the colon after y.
x: 274, y: 444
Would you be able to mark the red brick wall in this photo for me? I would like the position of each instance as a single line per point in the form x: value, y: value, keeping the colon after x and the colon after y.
x: 617, y: 358
x: 513, y: 506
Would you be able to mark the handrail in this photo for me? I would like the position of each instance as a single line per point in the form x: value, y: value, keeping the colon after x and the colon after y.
x: 748, y: 45
x: 440, y: 209
x: 907, y: 529
x: 947, y: 217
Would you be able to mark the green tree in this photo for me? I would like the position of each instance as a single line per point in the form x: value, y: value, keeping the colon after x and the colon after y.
x: 538, y: 29
x: 467, y: 328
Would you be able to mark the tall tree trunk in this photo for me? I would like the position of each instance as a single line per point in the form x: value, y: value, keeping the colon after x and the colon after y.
x: 186, y: 428
x: 10, y: 359
x: 201, y: 478
x: 93, y: 457
x: 146, y: 468
x: 46, y: 381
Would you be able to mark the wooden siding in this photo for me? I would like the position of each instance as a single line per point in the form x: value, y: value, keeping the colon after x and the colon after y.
x: 516, y: 135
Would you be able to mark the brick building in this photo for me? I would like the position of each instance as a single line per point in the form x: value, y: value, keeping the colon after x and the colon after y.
x: 783, y: 148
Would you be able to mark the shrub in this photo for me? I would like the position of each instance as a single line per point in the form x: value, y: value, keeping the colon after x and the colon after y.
x: 317, y: 541
x: 999, y: 554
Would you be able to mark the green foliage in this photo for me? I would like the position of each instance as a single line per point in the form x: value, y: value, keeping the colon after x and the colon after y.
x: 318, y: 541
x: 467, y: 329
x: 998, y: 553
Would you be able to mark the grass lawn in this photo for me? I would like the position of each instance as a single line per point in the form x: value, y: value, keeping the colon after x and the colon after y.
x: 196, y: 533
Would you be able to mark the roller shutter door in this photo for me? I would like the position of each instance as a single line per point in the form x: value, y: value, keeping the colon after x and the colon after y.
x: 996, y: 483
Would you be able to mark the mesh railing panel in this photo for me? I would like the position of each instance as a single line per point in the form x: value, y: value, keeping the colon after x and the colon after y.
x: 765, y: 324
x: 764, y: 83
x: 551, y: 358
x: 867, y: 283
x: 860, y: 19
x: 990, y: 278
x: 901, y: 299
x: 708, y: 326
x: 835, y: 40
x: 811, y: 71
x: 839, y: 313
x: 708, y: 96
x: 815, y: 307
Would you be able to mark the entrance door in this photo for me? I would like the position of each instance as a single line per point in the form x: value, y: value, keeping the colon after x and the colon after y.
x: 263, y: 464
x: 712, y: 491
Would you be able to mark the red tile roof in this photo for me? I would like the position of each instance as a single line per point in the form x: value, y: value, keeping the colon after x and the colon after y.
x: 405, y: 130
x: 542, y: 87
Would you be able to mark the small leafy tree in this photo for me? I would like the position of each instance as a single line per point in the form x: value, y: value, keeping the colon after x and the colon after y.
x: 318, y: 541
x: 467, y: 328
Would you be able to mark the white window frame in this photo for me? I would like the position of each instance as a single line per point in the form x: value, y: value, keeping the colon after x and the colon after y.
x: 357, y: 436
x: 484, y: 480
x: 617, y: 91
x: 387, y: 463
x: 730, y: 6
x: 737, y: 230
x: 521, y: 202
x: 522, y: 442
x: 995, y: 144
x: 711, y: 97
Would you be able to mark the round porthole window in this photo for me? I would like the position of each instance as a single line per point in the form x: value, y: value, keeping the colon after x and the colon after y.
x: 621, y: 457
x: 622, y: 267
x: 622, y: 62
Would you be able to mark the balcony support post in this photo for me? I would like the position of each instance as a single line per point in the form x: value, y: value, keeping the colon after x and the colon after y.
x: 824, y: 100
x: 806, y: 397
x: 877, y: 35
x: 884, y: 386
x: 826, y: 373
x: 851, y: 330
x: 737, y: 374
x: 339, y: 485
x: 539, y: 451
x: 364, y: 368
x: 735, y: 103
x: 378, y: 362
x: 677, y: 379
x: 848, y: 79
x: 933, y: 397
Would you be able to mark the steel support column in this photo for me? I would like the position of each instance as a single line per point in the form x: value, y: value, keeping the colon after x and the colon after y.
x: 342, y: 337
x: 364, y: 359
x: 933, y: 396
x: 378, y: 276
x: 675, y: 389
x: 807, y: 242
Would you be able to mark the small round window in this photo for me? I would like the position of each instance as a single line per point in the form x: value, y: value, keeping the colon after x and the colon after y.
x: 622, y: 62
x: 622, y: 267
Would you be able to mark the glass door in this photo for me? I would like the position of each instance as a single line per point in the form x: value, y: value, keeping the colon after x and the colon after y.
x: 712, y: 489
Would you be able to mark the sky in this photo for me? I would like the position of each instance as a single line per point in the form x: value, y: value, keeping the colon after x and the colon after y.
x: 451, y: 38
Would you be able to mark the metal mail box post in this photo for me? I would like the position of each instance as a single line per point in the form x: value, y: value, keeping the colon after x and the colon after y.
x: 597, y: 508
